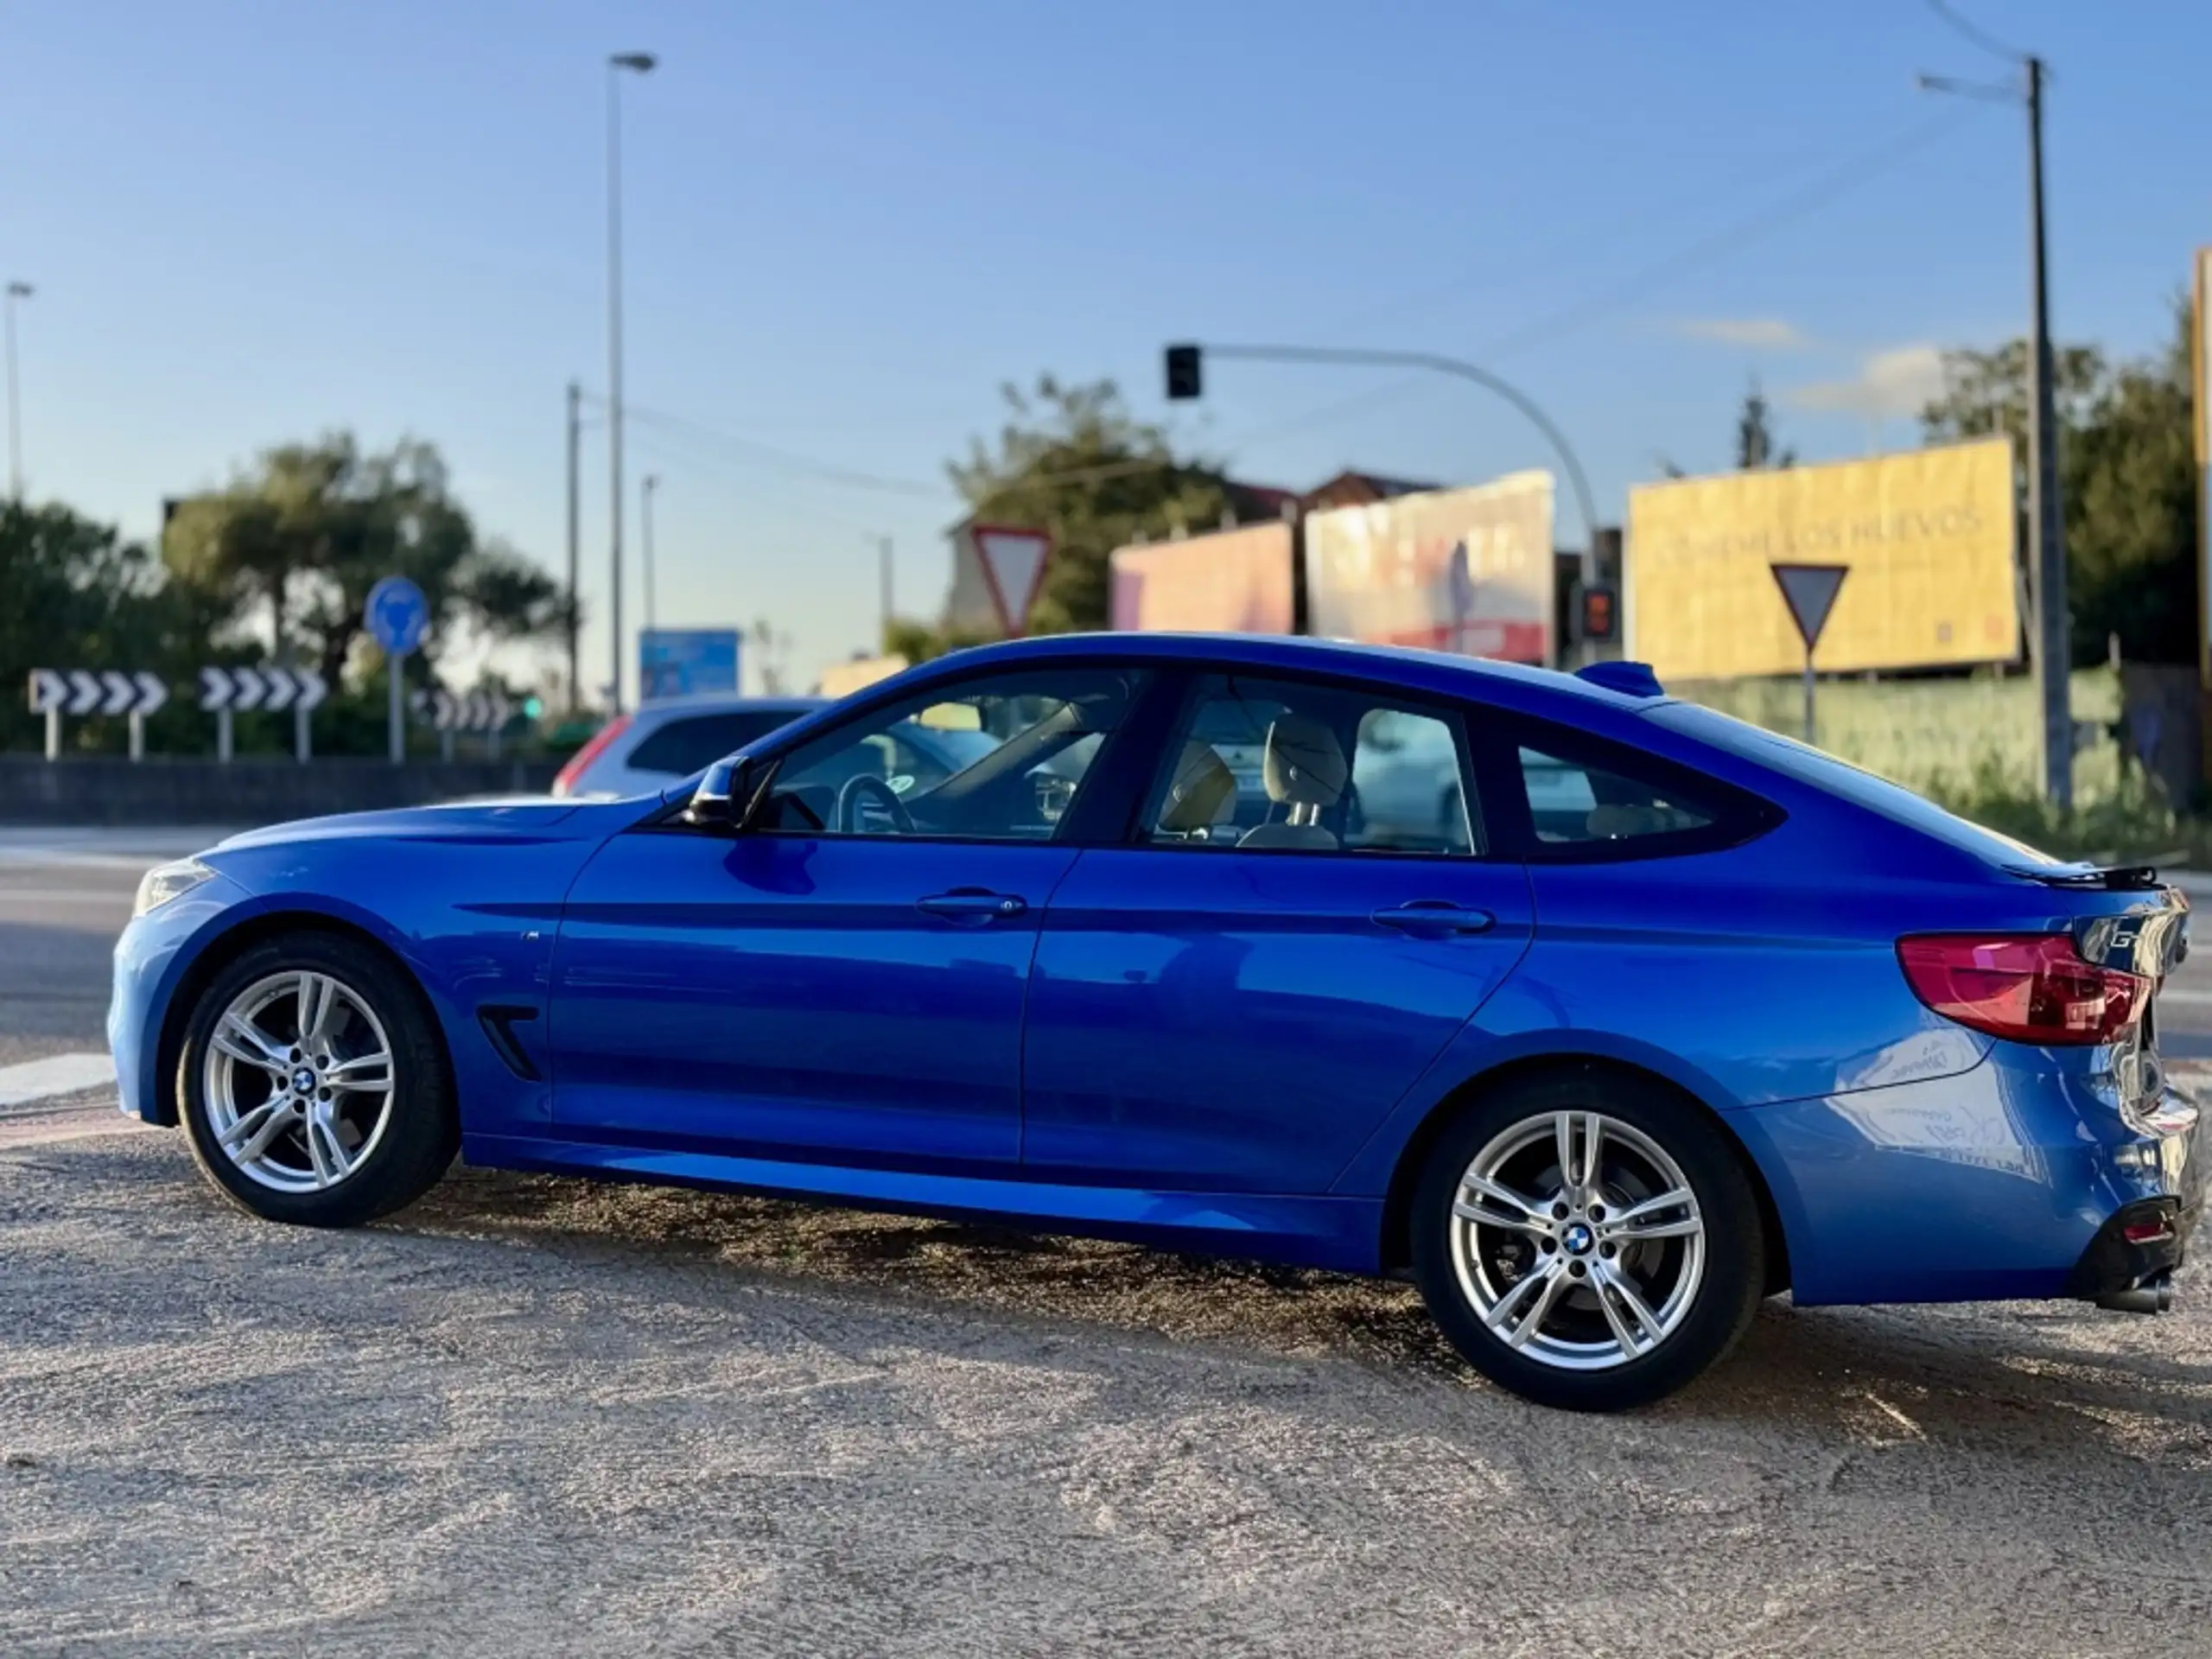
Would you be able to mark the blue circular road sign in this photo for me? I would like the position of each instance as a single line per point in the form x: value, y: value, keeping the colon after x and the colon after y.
x: 396, y: 615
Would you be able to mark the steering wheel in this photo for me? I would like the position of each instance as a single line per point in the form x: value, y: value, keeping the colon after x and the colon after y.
x: 848, y: 805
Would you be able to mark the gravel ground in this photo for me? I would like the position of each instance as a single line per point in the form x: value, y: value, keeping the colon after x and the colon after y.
x: 537, y: 1416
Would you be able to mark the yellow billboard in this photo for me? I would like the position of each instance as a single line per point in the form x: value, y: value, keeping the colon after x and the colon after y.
x: 1927, y: 536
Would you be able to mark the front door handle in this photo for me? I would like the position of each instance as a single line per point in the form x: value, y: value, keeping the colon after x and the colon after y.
x: 1435, y: 916
x: 973, y: 905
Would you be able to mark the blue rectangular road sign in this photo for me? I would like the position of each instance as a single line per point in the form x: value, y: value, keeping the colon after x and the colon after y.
x: 677, y: 662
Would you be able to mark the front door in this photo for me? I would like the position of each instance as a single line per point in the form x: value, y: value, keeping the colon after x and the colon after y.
x: 844, y: 981
x: 1235, y: 1003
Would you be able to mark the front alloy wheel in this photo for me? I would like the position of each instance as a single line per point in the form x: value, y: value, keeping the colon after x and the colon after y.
x: 313, y: 1083
x: 1588, y: 1239
x: 298, y: 1081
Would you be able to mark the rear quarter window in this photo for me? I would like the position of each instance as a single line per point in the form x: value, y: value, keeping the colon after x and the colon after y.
x: 1589, y: 801
x: 1805, y: 764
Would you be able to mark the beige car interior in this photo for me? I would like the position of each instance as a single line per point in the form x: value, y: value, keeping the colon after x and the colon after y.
x: 1202, y: 785
x: 1304, y: 772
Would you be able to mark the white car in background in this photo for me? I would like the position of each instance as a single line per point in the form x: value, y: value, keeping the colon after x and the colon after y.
x: 643, y: 753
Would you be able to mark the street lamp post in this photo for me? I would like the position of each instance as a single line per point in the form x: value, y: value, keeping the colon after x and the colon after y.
x: 637, y: 63
x: 576, y: 603
x: 15, y: 291
x: 645, y: 541
x: 1585, y: 502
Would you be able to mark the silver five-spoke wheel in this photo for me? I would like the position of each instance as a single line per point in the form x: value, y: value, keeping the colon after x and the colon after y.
x: 1578, y: 1239
x: 298, y: 1081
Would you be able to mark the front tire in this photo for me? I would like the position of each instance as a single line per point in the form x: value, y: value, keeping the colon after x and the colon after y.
x: 1587, y: 1240
x: 314, y: 1086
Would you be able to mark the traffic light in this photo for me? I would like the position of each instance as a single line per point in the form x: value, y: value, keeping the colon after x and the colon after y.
x: 1601, y: 613
x: 1182, y: 380
x: 533, y: 707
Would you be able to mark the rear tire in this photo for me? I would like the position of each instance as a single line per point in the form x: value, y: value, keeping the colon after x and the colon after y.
x: 313, y: 1083
x: 1592, y: 1291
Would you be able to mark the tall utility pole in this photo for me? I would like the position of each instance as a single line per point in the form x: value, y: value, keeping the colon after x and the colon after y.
x: 645, y: 540
x: 576, y: 550
x: 883, y: 576
x: 15, y: 291
x: 637, y: 63
x: 2046, y: 529
x: 2046, y: 524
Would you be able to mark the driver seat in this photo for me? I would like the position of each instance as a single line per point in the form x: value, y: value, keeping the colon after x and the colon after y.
x: 1304, y: 771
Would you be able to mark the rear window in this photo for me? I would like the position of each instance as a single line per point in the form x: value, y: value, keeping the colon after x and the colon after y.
x: 680, y: 747
x: 1861, y: 788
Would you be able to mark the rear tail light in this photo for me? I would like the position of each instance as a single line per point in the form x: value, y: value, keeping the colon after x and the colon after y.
x: 2031, y: 987
x: 579, y: 763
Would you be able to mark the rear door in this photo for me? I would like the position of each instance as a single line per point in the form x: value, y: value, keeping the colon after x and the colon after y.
x: 1233, y: 999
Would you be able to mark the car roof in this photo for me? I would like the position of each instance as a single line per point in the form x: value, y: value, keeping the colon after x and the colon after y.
x: 1515, y: 683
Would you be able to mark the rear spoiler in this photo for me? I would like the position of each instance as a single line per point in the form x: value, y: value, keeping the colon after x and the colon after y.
x: 2107, y: 878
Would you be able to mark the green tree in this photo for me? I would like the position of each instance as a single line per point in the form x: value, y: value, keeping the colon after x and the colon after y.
x: 74, y: 593
x: 2127, y: 484
x: 298, y: 540
x: 1072, y: 461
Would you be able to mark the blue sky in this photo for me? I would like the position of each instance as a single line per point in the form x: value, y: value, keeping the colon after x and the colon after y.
x: 850, y: 220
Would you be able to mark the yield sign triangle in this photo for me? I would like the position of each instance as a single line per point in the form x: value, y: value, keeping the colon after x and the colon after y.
x: 1809, y: 591
x: 1013, y: 569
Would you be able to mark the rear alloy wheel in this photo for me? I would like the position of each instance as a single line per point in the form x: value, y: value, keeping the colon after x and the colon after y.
x: 1591, y: 1241
x: 312, y: 1084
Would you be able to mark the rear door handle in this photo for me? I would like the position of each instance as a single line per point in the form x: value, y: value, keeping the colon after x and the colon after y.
x: 973, y: 905
x: 1435, y: 916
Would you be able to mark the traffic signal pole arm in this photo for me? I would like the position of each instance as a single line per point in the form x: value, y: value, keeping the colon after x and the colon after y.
x: 1440, y: 364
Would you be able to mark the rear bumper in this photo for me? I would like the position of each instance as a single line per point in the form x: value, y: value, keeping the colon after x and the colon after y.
x: 2142, y: 1243
x: 2138, y: 1247
x: 2018, y: 1179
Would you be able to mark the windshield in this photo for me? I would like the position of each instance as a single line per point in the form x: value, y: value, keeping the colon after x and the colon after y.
x: 1861, y: 788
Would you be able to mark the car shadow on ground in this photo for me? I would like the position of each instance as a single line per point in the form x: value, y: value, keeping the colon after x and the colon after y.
x: 1875, y: 1373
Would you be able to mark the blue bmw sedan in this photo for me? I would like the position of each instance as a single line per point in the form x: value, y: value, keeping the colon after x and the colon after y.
x: 1601, y: 1015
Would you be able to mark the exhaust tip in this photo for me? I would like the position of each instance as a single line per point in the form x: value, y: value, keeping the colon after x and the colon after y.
x: 2154, y: 1295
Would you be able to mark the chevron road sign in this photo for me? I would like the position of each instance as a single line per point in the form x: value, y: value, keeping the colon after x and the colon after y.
x: 473, y: 711
x: 266, y: 686
x: 78, y: 692
x: 271, y: 686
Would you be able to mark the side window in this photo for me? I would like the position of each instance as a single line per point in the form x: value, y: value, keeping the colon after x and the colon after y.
x: 1574, y: 803
x: 1271, y: 764
x: 998, y: 759
x: 684, y: 746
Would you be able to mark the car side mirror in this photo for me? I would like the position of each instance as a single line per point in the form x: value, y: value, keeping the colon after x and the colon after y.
x: 723, y: 799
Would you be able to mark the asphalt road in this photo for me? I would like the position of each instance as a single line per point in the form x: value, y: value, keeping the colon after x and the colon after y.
x: 538, y: 1415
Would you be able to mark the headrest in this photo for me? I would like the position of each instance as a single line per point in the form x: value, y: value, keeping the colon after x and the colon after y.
x: 1304, y: 764
x: 1202, y: 782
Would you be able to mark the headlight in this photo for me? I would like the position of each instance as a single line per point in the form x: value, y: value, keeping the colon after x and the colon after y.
x: 167, y: 881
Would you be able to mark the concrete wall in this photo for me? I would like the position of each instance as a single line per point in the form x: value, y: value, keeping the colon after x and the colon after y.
x: 97, y: 790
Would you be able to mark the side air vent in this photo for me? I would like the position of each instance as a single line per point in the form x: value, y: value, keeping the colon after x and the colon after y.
x: 500, y: 1021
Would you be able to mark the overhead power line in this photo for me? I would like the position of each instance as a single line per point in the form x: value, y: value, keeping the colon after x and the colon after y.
x: 1837, y: 183
x: 742, y: 450
x: 1814, y: 195
x: 828, y: 471
x: 1968, y: 31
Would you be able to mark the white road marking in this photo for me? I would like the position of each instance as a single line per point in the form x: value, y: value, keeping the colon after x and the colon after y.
x: 57, y: 1074
x: 2186, y: 998
x: 117, y: 895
